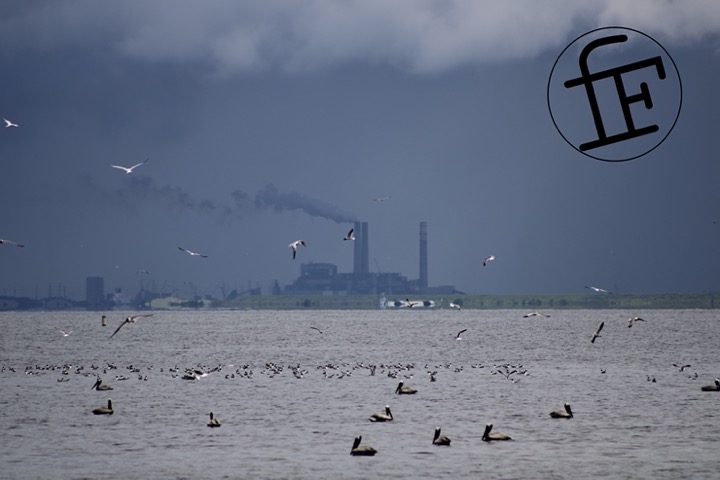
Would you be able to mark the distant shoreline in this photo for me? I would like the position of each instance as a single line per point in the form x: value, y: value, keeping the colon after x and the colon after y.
x: 527, y: 302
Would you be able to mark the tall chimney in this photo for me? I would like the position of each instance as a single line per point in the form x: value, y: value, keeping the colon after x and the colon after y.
x: 357, y: 249
x: 423, y: 256
x: 365, y: 249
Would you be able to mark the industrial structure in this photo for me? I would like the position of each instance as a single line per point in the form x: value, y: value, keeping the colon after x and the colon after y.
x: 324, y: 278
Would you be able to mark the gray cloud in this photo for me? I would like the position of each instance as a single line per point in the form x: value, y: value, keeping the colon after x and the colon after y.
x: 417, y: 35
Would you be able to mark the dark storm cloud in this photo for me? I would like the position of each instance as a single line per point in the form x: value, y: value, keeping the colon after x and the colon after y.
x: 270, y: 197
x: 418, y: 35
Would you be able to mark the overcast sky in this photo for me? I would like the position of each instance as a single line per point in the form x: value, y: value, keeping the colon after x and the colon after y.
x: 267, y: 122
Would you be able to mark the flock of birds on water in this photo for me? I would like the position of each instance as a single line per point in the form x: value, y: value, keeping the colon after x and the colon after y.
x: 329, y: 371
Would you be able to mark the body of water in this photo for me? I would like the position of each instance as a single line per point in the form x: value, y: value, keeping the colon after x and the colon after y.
x: 291, y: 399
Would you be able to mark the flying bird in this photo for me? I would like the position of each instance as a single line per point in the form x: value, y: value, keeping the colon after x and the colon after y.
x: 350, y: 235
x: 129, y: 320
x: 596, y: 289
x: 294, y: 246
x: 10, y: 242
x: 488, y: 259
x: 382, y: 199
x: 65, y: 334
x: 681, y: 367
x: 535, y: 314
x: 597, y: 332
x: 129, y: 170
x: 455, y: 305
x: 194, y: 254
x: 9, y: 124
x: 410, y: 304
x: 316, y: 328
x: 632, y: 320
x: 458, y: 337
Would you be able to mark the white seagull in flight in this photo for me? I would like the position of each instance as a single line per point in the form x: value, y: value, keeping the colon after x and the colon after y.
x: 129, y: 320
x: 596, y: 289
x: 129, y: 170
x: 9, y: 124
x: 194, y: 254
x: 350, y: 235
x: 64, y: 334
x: 488, y: 259
x: 10, y: 242
x: 632, y: 320
x: 294, y: 246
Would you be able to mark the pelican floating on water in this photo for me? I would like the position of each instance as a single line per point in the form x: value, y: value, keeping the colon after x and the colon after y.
x: 403, y: 390
x: 100, y: 386
x: 565, y: 412
x: 712, y: 388
x: 440, y: 439
x: 213, y: 423
x: 363, y: 450
x: 385, y: 416
x: 489, y: 436
x: 104, y: 410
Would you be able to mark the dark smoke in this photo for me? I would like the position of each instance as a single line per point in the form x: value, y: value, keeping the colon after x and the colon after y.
x: 270, y: 197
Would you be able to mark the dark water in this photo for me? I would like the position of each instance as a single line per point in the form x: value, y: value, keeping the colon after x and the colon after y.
x: 278, y: 426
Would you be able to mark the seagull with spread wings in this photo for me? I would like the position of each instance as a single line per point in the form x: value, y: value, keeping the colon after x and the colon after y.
x: 191, y: 253
x: 129, y: 170
x: 9, y: 124
x: 10, y: 242
x: 597, y: 332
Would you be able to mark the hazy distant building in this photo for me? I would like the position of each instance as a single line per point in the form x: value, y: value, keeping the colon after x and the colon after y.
x: 324, y: 278
x: 95, y: 293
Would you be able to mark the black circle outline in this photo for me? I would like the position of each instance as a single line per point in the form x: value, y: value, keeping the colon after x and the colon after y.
x: 547, y: 94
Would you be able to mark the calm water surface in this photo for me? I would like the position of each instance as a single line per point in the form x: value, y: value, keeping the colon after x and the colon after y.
x: 276, y: 425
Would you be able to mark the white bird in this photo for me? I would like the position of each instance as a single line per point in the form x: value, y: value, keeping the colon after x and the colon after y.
x: 64, y: 334
x: 350, y: 235
x: 294, y: 246
x: 455, y: 305
x: 597, y: 332
x: 458, y: 337
x: 129, y: 170
x: 194, y: 254
x: 487, y: 259
x: 10, y: 242
x: 632, y: 320
x: 535, y: 314
x: 9, y: 124
x: 129, y: 320
x: 597, y: 289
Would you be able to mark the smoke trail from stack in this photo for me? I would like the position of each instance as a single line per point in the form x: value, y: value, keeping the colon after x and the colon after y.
x: 270, y: 197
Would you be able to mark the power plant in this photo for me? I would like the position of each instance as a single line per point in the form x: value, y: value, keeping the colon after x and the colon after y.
x: 324, y: 278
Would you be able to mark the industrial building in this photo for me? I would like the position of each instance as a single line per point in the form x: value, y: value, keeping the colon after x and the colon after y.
x: 324, y: 278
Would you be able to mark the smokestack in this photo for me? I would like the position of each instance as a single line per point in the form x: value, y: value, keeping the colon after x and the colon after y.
x: 357, y: 249
x: 365, y: 249
x: 423, y: 256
